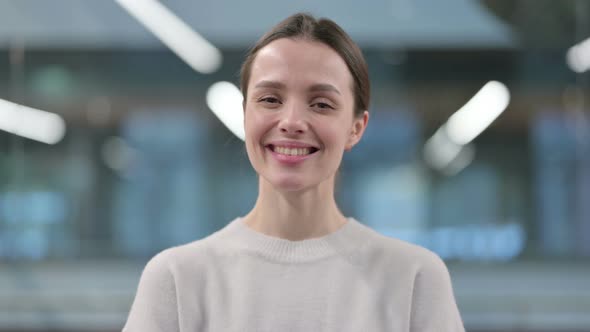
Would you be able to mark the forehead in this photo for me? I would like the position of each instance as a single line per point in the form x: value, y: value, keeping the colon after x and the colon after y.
x: 296, y: 62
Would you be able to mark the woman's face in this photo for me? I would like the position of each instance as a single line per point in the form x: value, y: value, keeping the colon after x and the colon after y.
x: 299, y: 114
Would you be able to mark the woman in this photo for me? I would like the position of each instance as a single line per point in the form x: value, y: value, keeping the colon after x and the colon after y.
x: 295, y: 262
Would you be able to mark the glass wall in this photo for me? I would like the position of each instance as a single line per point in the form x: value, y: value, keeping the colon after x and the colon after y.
x: 144, y: 165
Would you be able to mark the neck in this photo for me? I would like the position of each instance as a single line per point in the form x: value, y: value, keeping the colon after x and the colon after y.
x: 297, y: 215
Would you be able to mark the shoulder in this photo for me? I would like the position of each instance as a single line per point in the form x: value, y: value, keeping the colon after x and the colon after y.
x: 432, y: 300
x: 423, y: 268
x: 173, y: 260
x: 402, y: 254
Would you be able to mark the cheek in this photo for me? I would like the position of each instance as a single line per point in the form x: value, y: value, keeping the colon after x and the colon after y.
x: 337, y: 135
x: 255, y: 127
x: 250, y: 123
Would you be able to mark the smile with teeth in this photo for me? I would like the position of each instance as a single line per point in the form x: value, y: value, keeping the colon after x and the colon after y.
x: 293, y: 151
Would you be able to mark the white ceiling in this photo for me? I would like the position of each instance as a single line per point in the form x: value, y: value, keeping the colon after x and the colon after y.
x: 85, y: 24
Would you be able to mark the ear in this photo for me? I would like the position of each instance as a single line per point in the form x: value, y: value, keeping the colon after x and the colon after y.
x: 359, y: 125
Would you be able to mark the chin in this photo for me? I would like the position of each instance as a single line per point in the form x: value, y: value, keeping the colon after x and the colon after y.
x: 290, y: 186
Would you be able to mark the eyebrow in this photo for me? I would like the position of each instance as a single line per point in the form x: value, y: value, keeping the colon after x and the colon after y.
x: 270, y: 84
x: 315, y: 87
x: 324, y: 87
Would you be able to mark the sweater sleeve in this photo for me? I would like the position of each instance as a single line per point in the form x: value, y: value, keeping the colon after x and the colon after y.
x: 154, y: 308
x: 433, y: 305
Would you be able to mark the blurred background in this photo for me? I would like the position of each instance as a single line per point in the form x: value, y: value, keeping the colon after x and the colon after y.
x: 117, y: 141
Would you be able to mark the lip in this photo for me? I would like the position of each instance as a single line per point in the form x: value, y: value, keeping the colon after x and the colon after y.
x: 286, y: 159
x: 291, y: 144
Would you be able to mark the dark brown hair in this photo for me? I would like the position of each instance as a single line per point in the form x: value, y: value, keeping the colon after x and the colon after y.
x: 305, y: 26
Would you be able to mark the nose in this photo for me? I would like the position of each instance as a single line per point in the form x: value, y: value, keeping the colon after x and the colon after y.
x: 293, y: 120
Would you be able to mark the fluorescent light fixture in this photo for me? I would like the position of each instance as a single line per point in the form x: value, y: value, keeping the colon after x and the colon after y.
x: 225, y: 100
x: 439, y: 151
x: 448, y: 150
x: 479, y: 112
x: 461, y: 161
x: 578, y: 56
x: 191, y: 47
x: 445, y: 155
x: 31, y: 123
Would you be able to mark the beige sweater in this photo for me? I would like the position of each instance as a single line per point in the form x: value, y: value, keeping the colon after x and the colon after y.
x: 237, y: 279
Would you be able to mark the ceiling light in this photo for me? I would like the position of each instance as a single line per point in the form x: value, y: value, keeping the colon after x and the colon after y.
x: 191, y: 47
x: 225, y: 100
x: 578, y: 56
x: 478, y: 113
x: 31, y: 123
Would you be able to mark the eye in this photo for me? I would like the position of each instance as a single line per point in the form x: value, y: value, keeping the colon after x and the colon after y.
x: 322, y: 106
x: 269, y: 100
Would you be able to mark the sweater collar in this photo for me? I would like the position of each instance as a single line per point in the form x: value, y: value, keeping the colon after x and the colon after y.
x: 342, y: 241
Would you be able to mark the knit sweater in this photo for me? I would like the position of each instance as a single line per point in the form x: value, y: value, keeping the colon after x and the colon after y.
x: 238, y: 279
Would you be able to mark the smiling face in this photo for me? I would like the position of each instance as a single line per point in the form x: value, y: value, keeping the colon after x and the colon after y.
x: 299, y: 114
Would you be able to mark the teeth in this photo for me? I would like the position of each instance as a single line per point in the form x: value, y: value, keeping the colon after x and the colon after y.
x: 293, y: 152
